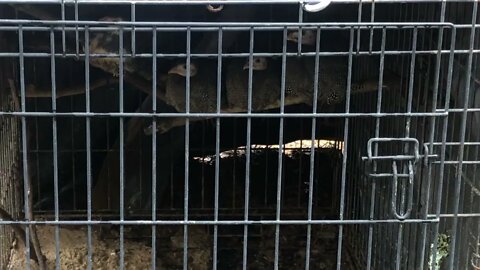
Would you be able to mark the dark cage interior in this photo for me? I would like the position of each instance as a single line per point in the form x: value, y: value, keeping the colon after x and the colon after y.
x: 239, y: 134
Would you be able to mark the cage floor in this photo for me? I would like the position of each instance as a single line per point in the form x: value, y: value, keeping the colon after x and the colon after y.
x: 169, y: 251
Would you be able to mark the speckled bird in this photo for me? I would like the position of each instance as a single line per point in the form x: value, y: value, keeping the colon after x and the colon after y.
x: 332, y: 76
x: 299, y: 80
x: 108, y: 43
x: 265, y: 85
x: 203, y: 87
x: 203, y: 92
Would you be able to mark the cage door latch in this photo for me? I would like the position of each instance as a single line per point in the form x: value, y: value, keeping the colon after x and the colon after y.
x: 415, y: 156
x: 402, y: 170
x: 405, y: 206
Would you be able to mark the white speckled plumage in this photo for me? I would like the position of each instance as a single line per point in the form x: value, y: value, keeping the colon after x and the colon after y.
x: 108, y: 43
x: 203, y: 87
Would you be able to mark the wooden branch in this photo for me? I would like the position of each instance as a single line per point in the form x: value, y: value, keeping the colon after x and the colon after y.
x: 136, y: 81
x: 33, y: 230
x: 110, y: 162
x: 166, y: 124
x: 146, y: 86
x: 141, y: 84
x: 34, y: 12
x: 32, y: 91
x: 135, y: 124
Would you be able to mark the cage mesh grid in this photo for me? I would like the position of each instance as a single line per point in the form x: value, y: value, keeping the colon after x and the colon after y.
x: 9, y: 163
x: 360, y: 201
x: 9, y: 160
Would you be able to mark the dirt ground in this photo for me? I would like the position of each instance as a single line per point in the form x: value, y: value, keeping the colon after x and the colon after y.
x: 169, y: 241
x: 106, y: 246
x: 169, y: 251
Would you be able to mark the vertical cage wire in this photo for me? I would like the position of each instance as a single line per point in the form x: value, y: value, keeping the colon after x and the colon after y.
x: 363, y: 211
x: 10, y: 197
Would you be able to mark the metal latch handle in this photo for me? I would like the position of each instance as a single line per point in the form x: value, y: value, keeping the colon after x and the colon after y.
x: 402, y: 215
x: 416, y: 152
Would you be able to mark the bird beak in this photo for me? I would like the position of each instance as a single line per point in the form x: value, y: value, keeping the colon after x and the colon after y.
x: 175, y: 70
x: 246, y: 66
x: 179, y: 70
x: 291, y: 37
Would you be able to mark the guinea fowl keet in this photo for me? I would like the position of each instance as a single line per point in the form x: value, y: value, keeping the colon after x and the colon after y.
x: 203, y: 92
x: 265, y: 85
x: 309, y: 37
x: 108, y: 43
x: 332, y: 76
x: 203, y: 87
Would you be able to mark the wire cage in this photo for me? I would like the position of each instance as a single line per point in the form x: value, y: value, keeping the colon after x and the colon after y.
x: 9, y: 163
x: 239, y: 134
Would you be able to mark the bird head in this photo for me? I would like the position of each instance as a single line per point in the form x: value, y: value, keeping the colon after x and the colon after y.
x: 181, y: 69
x: 105, y: 42
x: 214, y: 8
x: 308, y: 37
x: 259, y: 63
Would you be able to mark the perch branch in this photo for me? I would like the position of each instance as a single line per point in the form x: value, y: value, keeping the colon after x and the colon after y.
x: 33, y: 229
x: 135, y: 124
x: 34, y: 12
x: 32, y: 91
x: 145, y: 85
x: 138, y: 82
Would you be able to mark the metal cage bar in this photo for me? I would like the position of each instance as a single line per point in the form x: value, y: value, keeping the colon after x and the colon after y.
x: 396, y: 188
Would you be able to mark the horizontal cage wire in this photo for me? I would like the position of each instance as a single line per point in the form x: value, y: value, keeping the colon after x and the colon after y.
x: 239, y: 134
x: 9, y: 163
